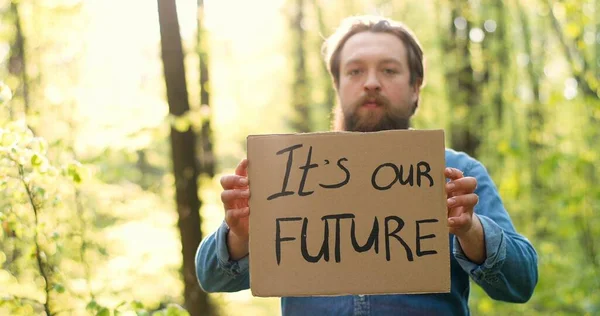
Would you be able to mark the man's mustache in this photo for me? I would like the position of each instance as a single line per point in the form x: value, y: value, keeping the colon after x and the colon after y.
x: 373, y: 97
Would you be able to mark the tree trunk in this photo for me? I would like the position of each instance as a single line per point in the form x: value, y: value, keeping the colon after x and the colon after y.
x: 462, y: 89
x: 206, y: 155
x: 184, y: 157
x: 300, y: 93
x: 535, y: 128
x: 17, y: 64
x: 531, y: 70
x: 329, y: 91
x: 501, y: 55
x: 597, y: 46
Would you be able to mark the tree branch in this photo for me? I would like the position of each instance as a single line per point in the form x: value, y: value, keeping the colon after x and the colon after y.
x: 574, y: 57
x: 38, y: 253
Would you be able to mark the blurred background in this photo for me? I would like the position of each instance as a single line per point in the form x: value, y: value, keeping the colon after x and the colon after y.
x: 96, y: 142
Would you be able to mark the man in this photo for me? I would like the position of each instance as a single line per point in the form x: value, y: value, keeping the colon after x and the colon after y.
x: 377, y: 68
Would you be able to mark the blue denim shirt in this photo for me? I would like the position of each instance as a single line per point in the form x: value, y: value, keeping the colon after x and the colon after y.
x: 509, y: 272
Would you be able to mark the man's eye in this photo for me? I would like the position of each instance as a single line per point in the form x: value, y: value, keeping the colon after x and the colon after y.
x: 390, y: 71
x: 354, y: 72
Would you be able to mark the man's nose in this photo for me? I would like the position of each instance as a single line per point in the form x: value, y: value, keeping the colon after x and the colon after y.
x: 372, y: 83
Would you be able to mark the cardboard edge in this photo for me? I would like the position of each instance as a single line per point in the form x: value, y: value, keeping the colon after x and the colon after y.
x: 444, y: 194
x: 294, y: 294
x: 325, y: 133
x: 250, y: 257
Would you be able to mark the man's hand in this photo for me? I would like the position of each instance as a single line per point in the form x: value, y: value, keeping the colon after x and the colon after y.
x: 461, y: 201
x: 462, y: 222
x: 235, y: 195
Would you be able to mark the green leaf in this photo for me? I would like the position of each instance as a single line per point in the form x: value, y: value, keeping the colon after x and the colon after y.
x: 176, y: 310
x: 103, y: 312
x: 36, y: 160
x: 73, y: 173
x: 39, y: 191
x: 59, y: 288
x: 92, y: 305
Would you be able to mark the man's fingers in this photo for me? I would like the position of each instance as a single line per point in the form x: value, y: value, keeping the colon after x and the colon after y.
x: 232, y: 181
x: 460, y: 208
x: 233, y: 215
x: 237, y: 180
x: 242, y: 168
x: 464, y: 185
x: 229, y: 196
x: 467, y: 201
x: 459, y: 221
x: 453, y: 173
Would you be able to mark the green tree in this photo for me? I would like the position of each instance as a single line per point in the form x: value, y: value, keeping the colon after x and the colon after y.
x: 183, y: 149
x: 463, y: 89
x: 301, y: 121
x: 206, y: 155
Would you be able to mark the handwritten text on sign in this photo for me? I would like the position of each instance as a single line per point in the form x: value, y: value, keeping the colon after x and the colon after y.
x: 423, y: 168
x: 313, y: 220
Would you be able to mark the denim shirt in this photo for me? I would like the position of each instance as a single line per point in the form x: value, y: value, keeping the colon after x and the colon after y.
x: 509, y: 272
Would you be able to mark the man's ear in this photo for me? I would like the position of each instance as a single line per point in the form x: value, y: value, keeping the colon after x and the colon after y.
x: 416, y: 93
x: 416, y: 87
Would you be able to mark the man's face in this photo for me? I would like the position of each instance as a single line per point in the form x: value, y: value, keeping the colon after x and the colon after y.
x: 374, y: 87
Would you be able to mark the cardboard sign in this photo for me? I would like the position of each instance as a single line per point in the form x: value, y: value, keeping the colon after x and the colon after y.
x: 348, y: 213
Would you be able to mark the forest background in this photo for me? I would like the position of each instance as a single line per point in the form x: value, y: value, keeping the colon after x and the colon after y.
x: 118, y: 118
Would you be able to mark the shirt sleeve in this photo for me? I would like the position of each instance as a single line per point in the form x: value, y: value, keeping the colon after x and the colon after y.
x: 510, y: 270
x: 216, y: 272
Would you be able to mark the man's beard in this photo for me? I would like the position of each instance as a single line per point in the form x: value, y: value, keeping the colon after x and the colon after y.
x: 389, y: 119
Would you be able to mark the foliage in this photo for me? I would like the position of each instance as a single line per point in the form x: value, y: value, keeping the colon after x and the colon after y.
x: 87, y: 217
x: 44, y: 252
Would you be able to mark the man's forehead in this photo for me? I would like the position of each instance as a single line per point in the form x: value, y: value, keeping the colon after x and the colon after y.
x: 372, y: 46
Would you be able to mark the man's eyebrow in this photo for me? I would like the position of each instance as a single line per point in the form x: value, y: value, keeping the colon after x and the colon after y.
x: 384, y: 61
x: 391, y: 60
x: 353, y: 61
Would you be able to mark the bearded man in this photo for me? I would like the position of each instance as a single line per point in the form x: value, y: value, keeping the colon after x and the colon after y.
x: 377, y: 68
